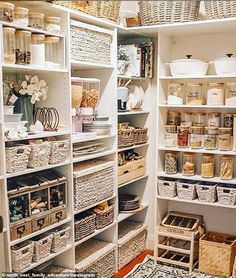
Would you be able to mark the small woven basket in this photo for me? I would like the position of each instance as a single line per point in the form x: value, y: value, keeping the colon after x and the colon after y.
x: 88, y: 7
x: 226, y: 194
x: 206, y: 192
x: 104, y: 218
x: 17, y: 158
x: 167, y: 187
x: 186, y: 189
x: 39, y: 155
x: 60, y: 239
x: 125, y: 137
x: 140, y: 135
x: 59, y: 151
x: 109, y: 10
x: 85, y: 226
x: 220, y: 9
x: 42, y: 248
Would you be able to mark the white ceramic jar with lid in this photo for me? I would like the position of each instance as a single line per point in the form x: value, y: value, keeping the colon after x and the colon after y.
x: 38, y: 50
x: 6, y: 11
x: 52, y: 24
x: 21, y: 16
x: 226, y: 65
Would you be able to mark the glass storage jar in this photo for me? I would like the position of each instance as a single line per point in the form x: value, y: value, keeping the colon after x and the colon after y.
x: 196, y: 137
x: 228, y: 120
x: 91, y: 92
x: 36, y: 20
x: 213, y: 119
x: 38, y: 50
x: 199, y: 119
x: 188, y: 164
x: 170, y: 162
x: 215, y: 94
x: 21, y: 16
x: 194, y: 94
x: 76, y: 91
x: 23, y: 47
x: 52, y: 24
x: 182, y: 136
x: 210, y: 138
x: 208, y: 166
x: 173, y: 118
x: 170, y: 136
x: 230, y: 99
x: 226, y: 167
x: 224, y: 138
x: 186, y: 119
x: 175, y: 94
x: 51, y: 52
x: 6, y: 11
x: 9, y: 45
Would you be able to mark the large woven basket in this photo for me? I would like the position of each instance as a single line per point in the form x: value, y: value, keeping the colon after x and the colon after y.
x: 104, y: 218
x: 206, y: 192
x: 17, y: 158
x: 60, y: 239
x: 39, y: 155
x: 220, y: 9
x: 42, y: 248
x: 167, y: 187
x: 162, y: 12
x: 125, y: 137
x: 186, y: 189
x: 59, y: 151
x: 84, y: 226
x: 226, y: 194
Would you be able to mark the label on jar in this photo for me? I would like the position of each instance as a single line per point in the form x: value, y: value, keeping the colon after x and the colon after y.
x: 225, y: 141
x: 170, y: 139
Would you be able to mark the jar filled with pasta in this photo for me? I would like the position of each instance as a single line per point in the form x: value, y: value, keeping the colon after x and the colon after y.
x: 170, y: 162
x: 175, y: 94
x: 182, y: 136
x: 186, y: 119
x: 170, y: 136
x: 224, y: 139
x: 213, y: 119
x: 188, y: 162
x: 210, y: 138
x: 199, y: 119
x: 196, y: 137
x: 215, y: 94
x: 194, y: 94
x: 173, y: 118
x: 226, y: 167
x: 208, y: 166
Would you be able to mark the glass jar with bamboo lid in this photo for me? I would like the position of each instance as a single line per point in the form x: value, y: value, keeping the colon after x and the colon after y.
x: 188, y: 164
x: 226, y: 167
x: 170, y: 136
x: 208, y: 166
x: 9, y: 45
x: 210, y: 138
x: 196, y: 137
x: 224, y: 138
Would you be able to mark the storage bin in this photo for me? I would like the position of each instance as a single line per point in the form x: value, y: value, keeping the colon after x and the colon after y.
x: 167, y: 187
x: 58, y: 215
x: 59, y: 151
x: 93, y: 182
x: 96, y: 256
x: 90, y: 43
x: 40, y: 222
x: 206, y: 191
x: 125, y: 137
x: 88, y: 7
x: 42, y: 247
x: 60, y: 239
x: 17, y: 158
x: 20, y: 229
x: 186, y: 189
x: 84, y: 225
x: 131, y: 242
x: 104, y: 218
x: 216, y: 254
x: 226, y: 194
x: 220, y: 9
x: 39, y: 155
x: 22, y: 255
x: 140, y: 135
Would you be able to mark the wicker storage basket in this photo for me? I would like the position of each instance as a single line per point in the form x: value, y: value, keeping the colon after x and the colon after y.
x: 42, y: 248
x: 39, y: 155
x: 59, y: 151
x: 84, y: 226
x: 93, y: 182
x: 132, y: 241
x: 161, y: 12
x: 217, y: 253
x: 96, y: 256
x: 186, y: 189
x: 90, y: 44
x: 22, y: 255
x: 104, y: 218
x: 140, y: 135
x: 60, y: 239
x: 125, y: 138
x: 88, y: 7
x: 206, y: 192
x: 220, y: 9
x: 226, y: 194
x: 109, y: 10
x: 17, y: 158
x: 167, y: 187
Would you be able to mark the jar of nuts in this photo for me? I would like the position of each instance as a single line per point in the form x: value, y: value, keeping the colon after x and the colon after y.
x: 170, y: 162
x: 210, y: 138
x: 226, y: 167
x: 188, y: 168
x: 91, y: 92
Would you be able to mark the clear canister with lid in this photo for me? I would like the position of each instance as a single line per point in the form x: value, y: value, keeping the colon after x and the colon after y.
x: 6, y: 11
x: 171, y: 163
x: 173, y: 118
x: 38, y: 50
x: 199, y: 119
x: 170, y: 136
x: 226, y: 167
x: 196, y: 137
x: 9, y: 45
x: 21, y: 16
x: 194, y: 94
x: 182, y: 136
x: 208, y: 166
x: 215, y: 94
x: 51, y: 52
x: 188, y: 164
x: 213, y: 119
x: 230, y: 99
x: 175, y: 94
x: 53, y: 24
x: 36, y: 20
x: 23, y: 47
x: 224, y: 139
x: 186, y: 119
x: 210, y: 138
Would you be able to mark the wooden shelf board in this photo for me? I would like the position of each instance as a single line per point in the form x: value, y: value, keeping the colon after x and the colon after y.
x: 210, y: 76
x: 92, y: 139
x: 196, y: 106
x: 132, y: 181
x: 91, y: 156
x: 11, y: 68
x: 132, y: 113
x: 133, y: 147
x: 124, y: 215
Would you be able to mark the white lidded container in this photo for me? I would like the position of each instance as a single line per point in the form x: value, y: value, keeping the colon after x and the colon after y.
x: 226, y: 65
x: 188, y: 67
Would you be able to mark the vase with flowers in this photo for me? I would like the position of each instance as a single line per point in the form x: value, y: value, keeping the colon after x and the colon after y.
x: 122, y: 60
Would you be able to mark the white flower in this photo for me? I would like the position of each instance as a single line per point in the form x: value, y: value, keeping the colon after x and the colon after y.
x: 34, y: 80
x: 23, y: 92
x: 27, y: 77
x: 24, y: 84
x: 42, y: 83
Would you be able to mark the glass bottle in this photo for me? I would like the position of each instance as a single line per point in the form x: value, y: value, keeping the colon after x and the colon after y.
x: 194, y: 94
x: 6, y: 11
x: 170, y: 162
x: 208, y: 166
x: 186, y: 119
x: 51, y: 52
x: 182, y: 136
x: 23, y: 47
x: 224, y: 139
x: 9, y: 45
x: 196, y: 137
x: 170, y: 136
x: 226, y: 167
x: 188, y: 168
x: 173, y: 118
x: 210, y: 138
x: 215, y: 94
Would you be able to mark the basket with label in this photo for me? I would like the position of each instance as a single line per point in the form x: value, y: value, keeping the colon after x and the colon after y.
x: 60, y: 239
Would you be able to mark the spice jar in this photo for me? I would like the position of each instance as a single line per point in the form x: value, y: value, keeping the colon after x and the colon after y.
x: 188, y: 168
x: 36, y: 20
x: 186, y: 119
x: 170, y: 162
x: 230, y: 99
x: 196, y: 137
x: 170, y: 136
x: 215, y: 94
x: 51, y: 52
x: 194, y: 94
x: 173, y: 118
x: 226, y: 167
x: 38, y: 50
x: 52, y: 24
x: 199, y: 119
x: 21, y: 16
x: 182, y: 136
x: 213, y: 119
x: 224, y: 138
x: 9, y: 45
x: 208, y: 165
x: 210, y: 138
x: 23, y: 47
x: 6, y: 11
x: 175, y: 94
